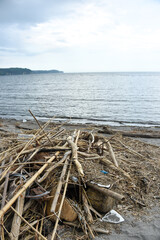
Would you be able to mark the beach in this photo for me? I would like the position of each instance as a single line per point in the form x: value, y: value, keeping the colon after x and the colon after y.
x: 146, y: 224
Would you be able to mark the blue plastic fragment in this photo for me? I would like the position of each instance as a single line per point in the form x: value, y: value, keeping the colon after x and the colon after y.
x: 104, y: 172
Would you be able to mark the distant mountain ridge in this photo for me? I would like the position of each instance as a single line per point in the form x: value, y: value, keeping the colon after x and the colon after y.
x: 22, y: 71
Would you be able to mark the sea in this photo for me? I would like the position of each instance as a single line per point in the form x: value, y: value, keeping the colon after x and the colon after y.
x: 112, y: 98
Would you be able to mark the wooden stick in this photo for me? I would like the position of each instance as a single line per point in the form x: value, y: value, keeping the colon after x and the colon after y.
x: 26, y: 185
x: 86, y: 207
x: 110, y: 164
x: 75, y: 156
x: 61, y: 204
x: 112, y: 155
x: 16, y: 223
x: 40, y: 126
x: 59, y: 186
x: 107, y: 192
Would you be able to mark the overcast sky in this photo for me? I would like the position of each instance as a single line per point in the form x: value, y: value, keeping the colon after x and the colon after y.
x: 80, y: 35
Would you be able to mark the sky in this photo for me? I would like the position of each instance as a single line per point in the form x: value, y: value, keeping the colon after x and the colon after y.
x: 80, y: 35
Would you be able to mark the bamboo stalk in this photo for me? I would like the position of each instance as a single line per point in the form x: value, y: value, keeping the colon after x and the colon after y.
x: 86, y: 207
x: 112, y: 155
x: 16, y: 223
x: 40, y: 126
x: 26, y: 185
x: 61, y: 204
x: 59, y: 186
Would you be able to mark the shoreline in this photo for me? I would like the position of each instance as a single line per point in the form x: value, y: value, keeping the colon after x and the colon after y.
x: 16, y: 126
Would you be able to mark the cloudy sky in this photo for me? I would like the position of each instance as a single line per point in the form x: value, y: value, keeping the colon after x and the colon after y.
x: 80, y: 35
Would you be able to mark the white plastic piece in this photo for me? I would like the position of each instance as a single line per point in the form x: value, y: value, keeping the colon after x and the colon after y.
x: 101, y: 185
x: 113, y: 217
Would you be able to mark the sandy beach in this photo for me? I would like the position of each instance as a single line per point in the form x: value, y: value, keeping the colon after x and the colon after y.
x: 145, y: 226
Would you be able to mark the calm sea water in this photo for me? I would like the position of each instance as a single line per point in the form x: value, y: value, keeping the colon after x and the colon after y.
x: 101, y: 98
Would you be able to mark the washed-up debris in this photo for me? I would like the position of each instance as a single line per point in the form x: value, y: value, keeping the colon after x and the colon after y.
x: 113, y: 217
x: 55, y: 177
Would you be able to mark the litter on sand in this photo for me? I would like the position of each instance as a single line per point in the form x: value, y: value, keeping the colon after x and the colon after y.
x: 51, y: 179
x: 113, y: 217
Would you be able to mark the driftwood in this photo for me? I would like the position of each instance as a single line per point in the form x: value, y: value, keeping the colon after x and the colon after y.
x: 86, y: 207
x: 136, y: 134
x: 51, y: 170
x: 59, y: 186
x: 75, y: 157
x: 112, y: 154
x: 107, y: 192
x: 61, y: 204
x: 16, y: 223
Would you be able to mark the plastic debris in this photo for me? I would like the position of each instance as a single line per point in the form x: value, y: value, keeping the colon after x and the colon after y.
x: 74, y: 179
x: 113, y: 217
x: 101, y: 185
x: 102, y: 171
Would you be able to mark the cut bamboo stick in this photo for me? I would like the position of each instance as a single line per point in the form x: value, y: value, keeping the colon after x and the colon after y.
x: 112, y: 155
x: 86, y: 207
x: 16, y: 223
x: 61, y: 204
x: 59, y: 186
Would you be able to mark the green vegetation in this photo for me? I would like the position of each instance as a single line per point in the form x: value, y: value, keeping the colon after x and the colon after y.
x: 19, y: 71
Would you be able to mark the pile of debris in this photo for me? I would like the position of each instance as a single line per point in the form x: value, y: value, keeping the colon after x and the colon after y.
x: 55, y: 182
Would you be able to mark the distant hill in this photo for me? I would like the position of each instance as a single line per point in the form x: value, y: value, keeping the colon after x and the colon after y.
x: 20, y: 71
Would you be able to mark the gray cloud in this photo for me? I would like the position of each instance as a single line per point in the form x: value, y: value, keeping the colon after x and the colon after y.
x: 26, y: 12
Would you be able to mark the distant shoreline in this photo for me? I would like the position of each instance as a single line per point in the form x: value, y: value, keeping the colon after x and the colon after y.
x: 23, y: 71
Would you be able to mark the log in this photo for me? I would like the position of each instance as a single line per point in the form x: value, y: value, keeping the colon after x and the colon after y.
x: 107, y: 192
x: 136, y: 134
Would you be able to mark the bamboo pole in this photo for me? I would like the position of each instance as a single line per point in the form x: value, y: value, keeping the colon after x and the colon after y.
x: 61, y: 204
x: 40, y: 126
x: 86, y: 207
x: 75, y: 156
x: 26, y: 185
x: 16, y: 223
x: 112, y: 155
x: 59, y: 186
